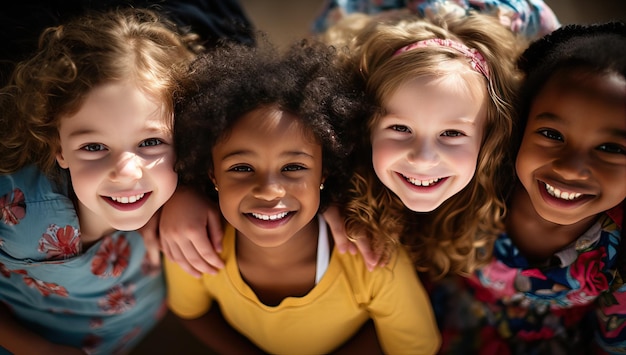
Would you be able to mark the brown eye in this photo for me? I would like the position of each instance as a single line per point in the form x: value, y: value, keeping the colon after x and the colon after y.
x: 612, y: 148
x: 293, y: 167
x: 241, y: 169
x: 551, y: 134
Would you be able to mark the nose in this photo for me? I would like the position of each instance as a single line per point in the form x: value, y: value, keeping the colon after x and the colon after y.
x: 572, y: 166
x: 127, y: 167
x: 423, y: 152
x: 269, y: 188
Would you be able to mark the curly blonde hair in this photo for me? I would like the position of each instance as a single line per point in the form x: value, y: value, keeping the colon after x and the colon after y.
x: 458, y: 236
x: 72, y: 59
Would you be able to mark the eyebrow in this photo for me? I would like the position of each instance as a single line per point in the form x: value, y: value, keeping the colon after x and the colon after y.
x: 456, y: 120
x: 88, y: 131
x: 291, y: 153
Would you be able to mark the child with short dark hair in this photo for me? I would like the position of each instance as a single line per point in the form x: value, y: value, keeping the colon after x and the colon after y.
x: 563, y: 254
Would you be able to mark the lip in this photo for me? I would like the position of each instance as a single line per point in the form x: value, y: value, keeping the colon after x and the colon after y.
x: 431, y: 186
x: 270, y: 223
x: 127, y: 206
x: 559, y: 202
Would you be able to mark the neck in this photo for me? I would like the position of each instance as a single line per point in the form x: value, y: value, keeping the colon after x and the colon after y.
x: 92, y: 227
x: 538, y: 239
x: 300, y: 247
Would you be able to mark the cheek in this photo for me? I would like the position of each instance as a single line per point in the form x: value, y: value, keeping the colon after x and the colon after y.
x: 168, y: 183
x: 524, y: 162
x: 383, y: 154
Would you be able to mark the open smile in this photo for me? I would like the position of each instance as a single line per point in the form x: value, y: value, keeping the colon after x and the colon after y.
x: 423, y: 183
x: 127, y: 203
x: 272, y: 217
x: 564, y: 195
x: 561, y: 198
x: 127, y: 199
x: 272, y: 220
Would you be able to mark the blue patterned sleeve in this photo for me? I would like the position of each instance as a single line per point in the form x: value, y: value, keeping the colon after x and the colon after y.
x: 530, y: 18
x: 611, y: 319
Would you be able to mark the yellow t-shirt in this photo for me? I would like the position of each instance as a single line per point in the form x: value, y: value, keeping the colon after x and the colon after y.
x: 344, y: 299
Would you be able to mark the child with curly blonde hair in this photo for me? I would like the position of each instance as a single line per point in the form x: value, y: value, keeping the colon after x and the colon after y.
x: 437, y: 148
x: 87, y: 159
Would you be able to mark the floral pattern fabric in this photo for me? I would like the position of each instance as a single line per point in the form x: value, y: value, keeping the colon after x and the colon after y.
x: 102, y: 299
x: 512, y: 308
x: 530, y: 18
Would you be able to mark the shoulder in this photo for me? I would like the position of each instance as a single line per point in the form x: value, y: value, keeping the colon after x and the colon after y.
x: 31, y: 204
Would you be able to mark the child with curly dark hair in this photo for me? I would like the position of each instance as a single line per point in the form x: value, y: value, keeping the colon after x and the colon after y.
x: 555, y: 284
x: 268, y: 136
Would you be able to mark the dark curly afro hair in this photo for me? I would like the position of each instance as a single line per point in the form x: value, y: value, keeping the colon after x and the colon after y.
x: 232, y: 80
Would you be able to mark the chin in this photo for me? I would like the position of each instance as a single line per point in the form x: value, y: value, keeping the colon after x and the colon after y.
x: 130, y: 225
x: 420, y: 206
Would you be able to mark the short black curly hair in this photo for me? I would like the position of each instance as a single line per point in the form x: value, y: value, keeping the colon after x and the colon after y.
x: 232, y: 80
x: 597, y: 48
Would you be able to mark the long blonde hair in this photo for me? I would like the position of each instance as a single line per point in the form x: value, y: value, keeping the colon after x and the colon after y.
x: 458, y: 236
x: 74, y: 58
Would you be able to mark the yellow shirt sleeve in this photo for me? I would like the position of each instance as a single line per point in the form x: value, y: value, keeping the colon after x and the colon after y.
x: 186, y: 295
x: 401, y: 309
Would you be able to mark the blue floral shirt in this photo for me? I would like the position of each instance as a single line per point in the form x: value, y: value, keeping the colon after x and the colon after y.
x: 102, y: 299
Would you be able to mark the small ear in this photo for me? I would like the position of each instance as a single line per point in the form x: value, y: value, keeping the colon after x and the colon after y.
x: 212, y: 177
x: 61, y: 161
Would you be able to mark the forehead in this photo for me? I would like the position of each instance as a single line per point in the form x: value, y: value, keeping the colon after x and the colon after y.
x: 606, y: 88
x: 453, y: 77
x: 270, y: 121
x: 120, y: 104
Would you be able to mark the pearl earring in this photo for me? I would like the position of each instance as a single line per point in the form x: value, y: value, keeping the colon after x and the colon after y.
x: 216, y: 188
x: 322, y: 186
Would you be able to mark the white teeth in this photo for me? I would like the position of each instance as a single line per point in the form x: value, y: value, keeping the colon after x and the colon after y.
x: 562, y: 194
x: 266, y: 217
x: 422, y: 182
x: 127, y: 199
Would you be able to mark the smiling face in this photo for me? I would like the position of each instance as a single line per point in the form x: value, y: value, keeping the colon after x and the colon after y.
x: 268, y: 170
x: 425, y: 147
x: 572, y: 159
x: 118, y: 149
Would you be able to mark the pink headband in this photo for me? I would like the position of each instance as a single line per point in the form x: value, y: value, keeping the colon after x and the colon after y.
x: 477, y: 60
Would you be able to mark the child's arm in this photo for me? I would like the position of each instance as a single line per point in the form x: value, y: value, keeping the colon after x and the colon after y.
x: 401, y: 309
x: 335, y: 221
x: 213, y: 330
x: 191, y: 232
x: 19, y: 340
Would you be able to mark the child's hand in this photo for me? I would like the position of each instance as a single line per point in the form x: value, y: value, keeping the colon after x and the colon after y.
x: 336, y: 223
x: 191, y: 232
